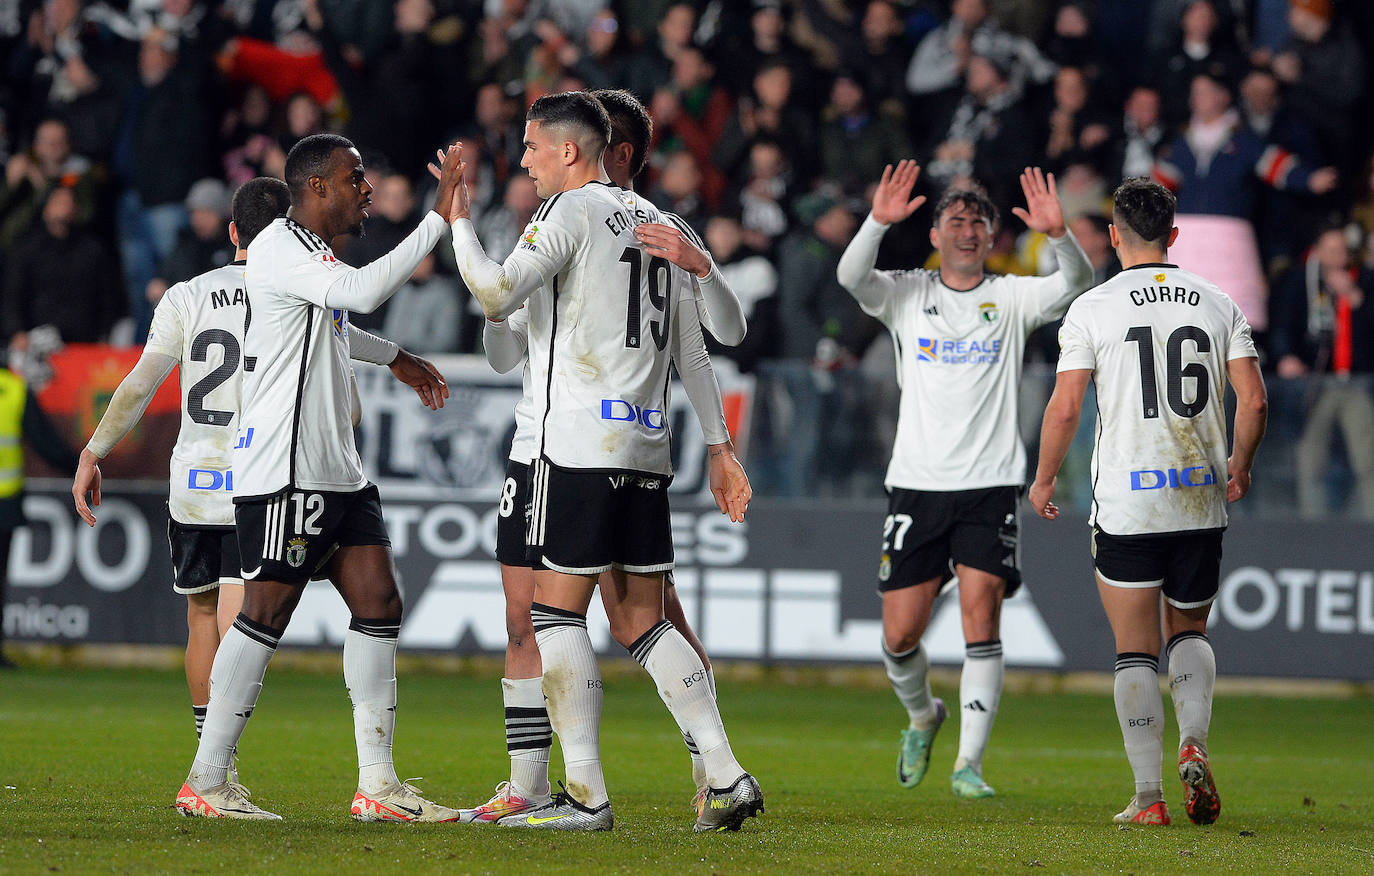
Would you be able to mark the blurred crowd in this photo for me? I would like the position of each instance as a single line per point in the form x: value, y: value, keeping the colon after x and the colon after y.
x: 127, y: 124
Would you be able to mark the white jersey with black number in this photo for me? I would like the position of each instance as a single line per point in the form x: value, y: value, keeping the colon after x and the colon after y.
x: 600, y: 331
x: 201, y: 324
x: 1158, y: 340
x: 295, y: 424
x: 959, y: 365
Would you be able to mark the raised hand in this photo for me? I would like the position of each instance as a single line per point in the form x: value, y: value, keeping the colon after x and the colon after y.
x: 451, y: 200
x: 890, y: 202
x: 670, y: 243
x: 1043, y: 212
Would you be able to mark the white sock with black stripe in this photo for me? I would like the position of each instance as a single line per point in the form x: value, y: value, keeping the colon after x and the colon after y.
x: 682, y: 683
x: 1192, y: 676
x: 235, y: 682
x: 572, y: 683
x: 369, y: 658
x: 529, y: 735
x: 980, y: 692
x: 1140, y: 711
x: 909, y: 673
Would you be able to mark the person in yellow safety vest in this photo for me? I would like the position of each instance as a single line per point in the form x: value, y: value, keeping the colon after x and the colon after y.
x: 21, y: 418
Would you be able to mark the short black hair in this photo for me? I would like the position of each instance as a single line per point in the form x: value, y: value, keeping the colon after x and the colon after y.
x: 970, y: 199
x: 630, y: 123
x: 581, y: 116
x: 311, y: 156
x: 257, y: 204
x: 1145, y: 209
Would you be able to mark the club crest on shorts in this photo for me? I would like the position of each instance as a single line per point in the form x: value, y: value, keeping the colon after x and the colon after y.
x: 295, y: 552
x: 884, y: 567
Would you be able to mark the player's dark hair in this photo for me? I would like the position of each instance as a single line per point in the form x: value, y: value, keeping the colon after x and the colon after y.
x: 580, y: 115
x: 312, y: 156
x: 1145, y: 209
x: 630, y: 123
x: 256, y: 205
x: 970, y: 199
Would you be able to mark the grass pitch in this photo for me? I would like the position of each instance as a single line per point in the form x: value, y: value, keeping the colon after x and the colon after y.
x: 90, y: 761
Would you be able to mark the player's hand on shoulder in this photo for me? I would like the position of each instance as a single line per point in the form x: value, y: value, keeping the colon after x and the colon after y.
x: 1039, y: 498
x: 87, y: 480
x: 421, y: 376
x: 1042, y: 212
x: 659, y: 239
x: 892, y: 201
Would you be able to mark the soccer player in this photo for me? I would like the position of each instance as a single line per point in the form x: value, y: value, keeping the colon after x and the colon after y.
x: 599, y: 360
x: 957, y: 463
x: 303, y: 506
x: 1160, y: 345
x: 506, y: 344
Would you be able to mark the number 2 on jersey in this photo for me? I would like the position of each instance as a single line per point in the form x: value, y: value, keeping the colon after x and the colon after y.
x: 195, y: 397
x: 660, y: 278
x: 1174, y: 373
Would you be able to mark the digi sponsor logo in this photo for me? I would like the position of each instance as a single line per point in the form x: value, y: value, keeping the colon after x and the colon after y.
x: 210, y: 480
x: 1173, y: 478
x: 622, y: 411
x: 960, y: 352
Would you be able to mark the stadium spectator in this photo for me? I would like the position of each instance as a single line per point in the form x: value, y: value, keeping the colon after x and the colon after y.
x: 1323, y: 326
x: 1324, y: 70
x: 1077, y: 128
x: 31, y: 175
x: 164, y: 134
x: 1214, y: 168
x: 60, y: 275
x: 691, y: 111
x: 879, y: 54
x: 497, y: 133
x: 942, y: 58
x: 424, y: 316
x: 765, y: 196
x: 651, y: 68
x: 249, y: 148
x: 765, y: 41
x: 755, y: 281
x: 989, y: 134
x: 200, y: 246
x: 1202, y: 47
x: 679, y: 188
x: 600, y: 59
x: 857, y: 138
x: 813, y: 303
x: 768, y: 111
x: 390, y: 218
x: 1142, y: 134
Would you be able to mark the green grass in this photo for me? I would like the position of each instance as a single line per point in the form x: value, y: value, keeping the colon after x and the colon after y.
x: 95, y: 758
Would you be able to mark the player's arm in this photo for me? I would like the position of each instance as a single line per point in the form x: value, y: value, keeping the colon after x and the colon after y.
x: 365, y: 289
x: 729, y: 483
x: 419, y: 374
x: 1252, y: 412
x: 892, y: 202
x: 506, y: 342
x: 1056, y: 435
x: 720, y: 309
x: 1045, y: 214
x: 126, y: 406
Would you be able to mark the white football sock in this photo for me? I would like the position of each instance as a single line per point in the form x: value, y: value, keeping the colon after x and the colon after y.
x: 369, y: 658
x: 235, y: 682
x: 682, y: 683
x: 1192, y: 677
x: 698, y: 762
x: 1140, y: 711
x: 572, y: 683
x: 528, y: 735
x: 909, y: 673
x: 980, y: 691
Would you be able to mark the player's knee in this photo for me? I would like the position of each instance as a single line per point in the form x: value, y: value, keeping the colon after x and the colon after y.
x: 625, y: 631
x: 519, y: 626
x: 201, y: 607
x: 901, y: 641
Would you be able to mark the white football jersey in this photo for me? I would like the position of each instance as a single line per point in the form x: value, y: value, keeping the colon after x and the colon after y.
x: 201, y: 324
x: 959, y: 365
x: 600, y: 331
x: 524, y: 447
x: 1157, y: 339
x: 295, y: 426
